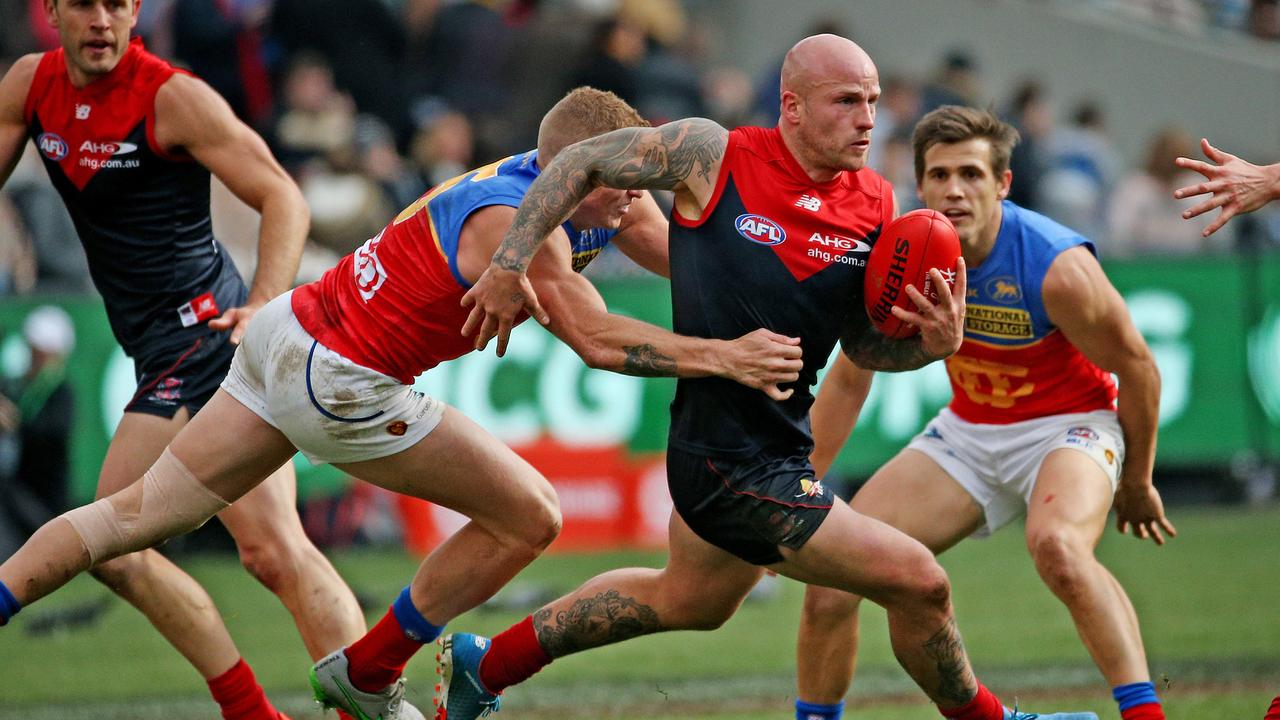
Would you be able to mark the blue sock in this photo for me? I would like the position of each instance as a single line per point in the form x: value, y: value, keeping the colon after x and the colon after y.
x: 1133, y: 694
x: 415, y: 626
x: 814, y: 711
x: 9, y: 605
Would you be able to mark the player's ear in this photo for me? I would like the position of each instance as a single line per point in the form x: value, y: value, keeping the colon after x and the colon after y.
x: 51, y: 13
x: 137, y: 5
x: 790, y: 106
x: 1006, y: 181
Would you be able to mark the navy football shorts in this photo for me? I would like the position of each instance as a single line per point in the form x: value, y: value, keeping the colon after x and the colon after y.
x: 186, y: 377
x: 749, y: 507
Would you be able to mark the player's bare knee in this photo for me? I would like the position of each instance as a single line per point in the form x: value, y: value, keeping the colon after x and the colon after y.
x: 274, y: 564
x: 1060, y: 559
x: 546, y: 530
x: 540, y: 520
x: 828, y: 605
x: 927, y: 585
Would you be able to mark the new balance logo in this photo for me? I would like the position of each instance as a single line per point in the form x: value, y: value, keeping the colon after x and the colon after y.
x: 809, y: 202
x: 82, y: 112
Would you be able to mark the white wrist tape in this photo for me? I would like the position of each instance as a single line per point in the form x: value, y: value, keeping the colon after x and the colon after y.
x: 168, y: 501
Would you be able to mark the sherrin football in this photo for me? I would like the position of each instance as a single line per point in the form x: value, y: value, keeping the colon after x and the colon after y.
x: 908, y: 247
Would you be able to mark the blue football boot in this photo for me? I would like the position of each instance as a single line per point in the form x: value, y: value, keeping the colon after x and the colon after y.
x: 459, y: 693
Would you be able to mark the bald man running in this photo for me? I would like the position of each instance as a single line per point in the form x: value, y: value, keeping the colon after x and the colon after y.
x: 771, y: 227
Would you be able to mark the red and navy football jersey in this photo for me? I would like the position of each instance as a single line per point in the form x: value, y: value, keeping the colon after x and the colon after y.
x: 142, y: 213
x: 772, y: 249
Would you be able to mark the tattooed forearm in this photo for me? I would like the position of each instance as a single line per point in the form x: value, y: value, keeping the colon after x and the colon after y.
x: 661, y: 157
x: 548, y: 202
x: 871, y: 350
x: 591, y: 622
x: 637, y: 158
x: 646, y: 361
x: 956, y: 683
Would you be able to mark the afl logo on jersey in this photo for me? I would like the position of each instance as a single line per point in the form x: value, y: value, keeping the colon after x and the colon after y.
x: 760, y: 229
x: 53, y: 147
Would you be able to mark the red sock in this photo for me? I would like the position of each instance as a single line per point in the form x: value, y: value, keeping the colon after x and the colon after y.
x: 984, y: 706
x: 239, y: 695
x: 1274, y: 712
x: 1145, y: 711
x: 378, y: 659
x: 514, y: 656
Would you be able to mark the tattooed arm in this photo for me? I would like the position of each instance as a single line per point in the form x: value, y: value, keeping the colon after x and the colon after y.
x: 868, y: 349
x: 941, y: 330
x: 578, y: 316
x: 683, y: 156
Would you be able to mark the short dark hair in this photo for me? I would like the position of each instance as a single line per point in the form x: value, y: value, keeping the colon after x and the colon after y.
x: 957, y: 123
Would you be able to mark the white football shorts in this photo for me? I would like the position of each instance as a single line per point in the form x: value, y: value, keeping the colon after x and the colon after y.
x: 330, y: 408
x: 998, y: 464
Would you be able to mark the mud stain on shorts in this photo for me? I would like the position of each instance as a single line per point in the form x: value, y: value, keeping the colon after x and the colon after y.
x: 290, y: 361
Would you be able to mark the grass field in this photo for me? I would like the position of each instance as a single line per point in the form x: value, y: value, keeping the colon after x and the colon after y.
x: 1207, y: 602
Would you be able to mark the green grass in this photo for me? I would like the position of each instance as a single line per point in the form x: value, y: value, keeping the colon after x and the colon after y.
x: 1206, y: 601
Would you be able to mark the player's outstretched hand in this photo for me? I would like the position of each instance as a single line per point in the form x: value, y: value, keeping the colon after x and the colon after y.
x: 764, y: 360
x: 1139, y: 509
x: 236, y: 320
x: 1237, y: 186
x: 498, y: 297
x: 942, y: 325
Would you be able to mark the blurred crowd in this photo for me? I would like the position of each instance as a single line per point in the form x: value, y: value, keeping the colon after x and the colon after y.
x: 1260, y: 18
x: 368, y: 103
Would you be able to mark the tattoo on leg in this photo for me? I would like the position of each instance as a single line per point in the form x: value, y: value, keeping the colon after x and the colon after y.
x: 646, y: 361
x: 956, y: 683
x: 592, y: 622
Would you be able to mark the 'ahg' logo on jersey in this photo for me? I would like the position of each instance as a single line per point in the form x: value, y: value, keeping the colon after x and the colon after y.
x: 760, y: 229
x: 369, y: 272
x: 107, y: 148
x: 53, y: 146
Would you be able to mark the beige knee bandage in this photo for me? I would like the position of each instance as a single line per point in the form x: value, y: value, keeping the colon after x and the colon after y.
x: 167, y: 502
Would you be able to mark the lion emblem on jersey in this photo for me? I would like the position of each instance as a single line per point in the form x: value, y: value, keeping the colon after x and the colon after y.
x: 1004, y: 290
